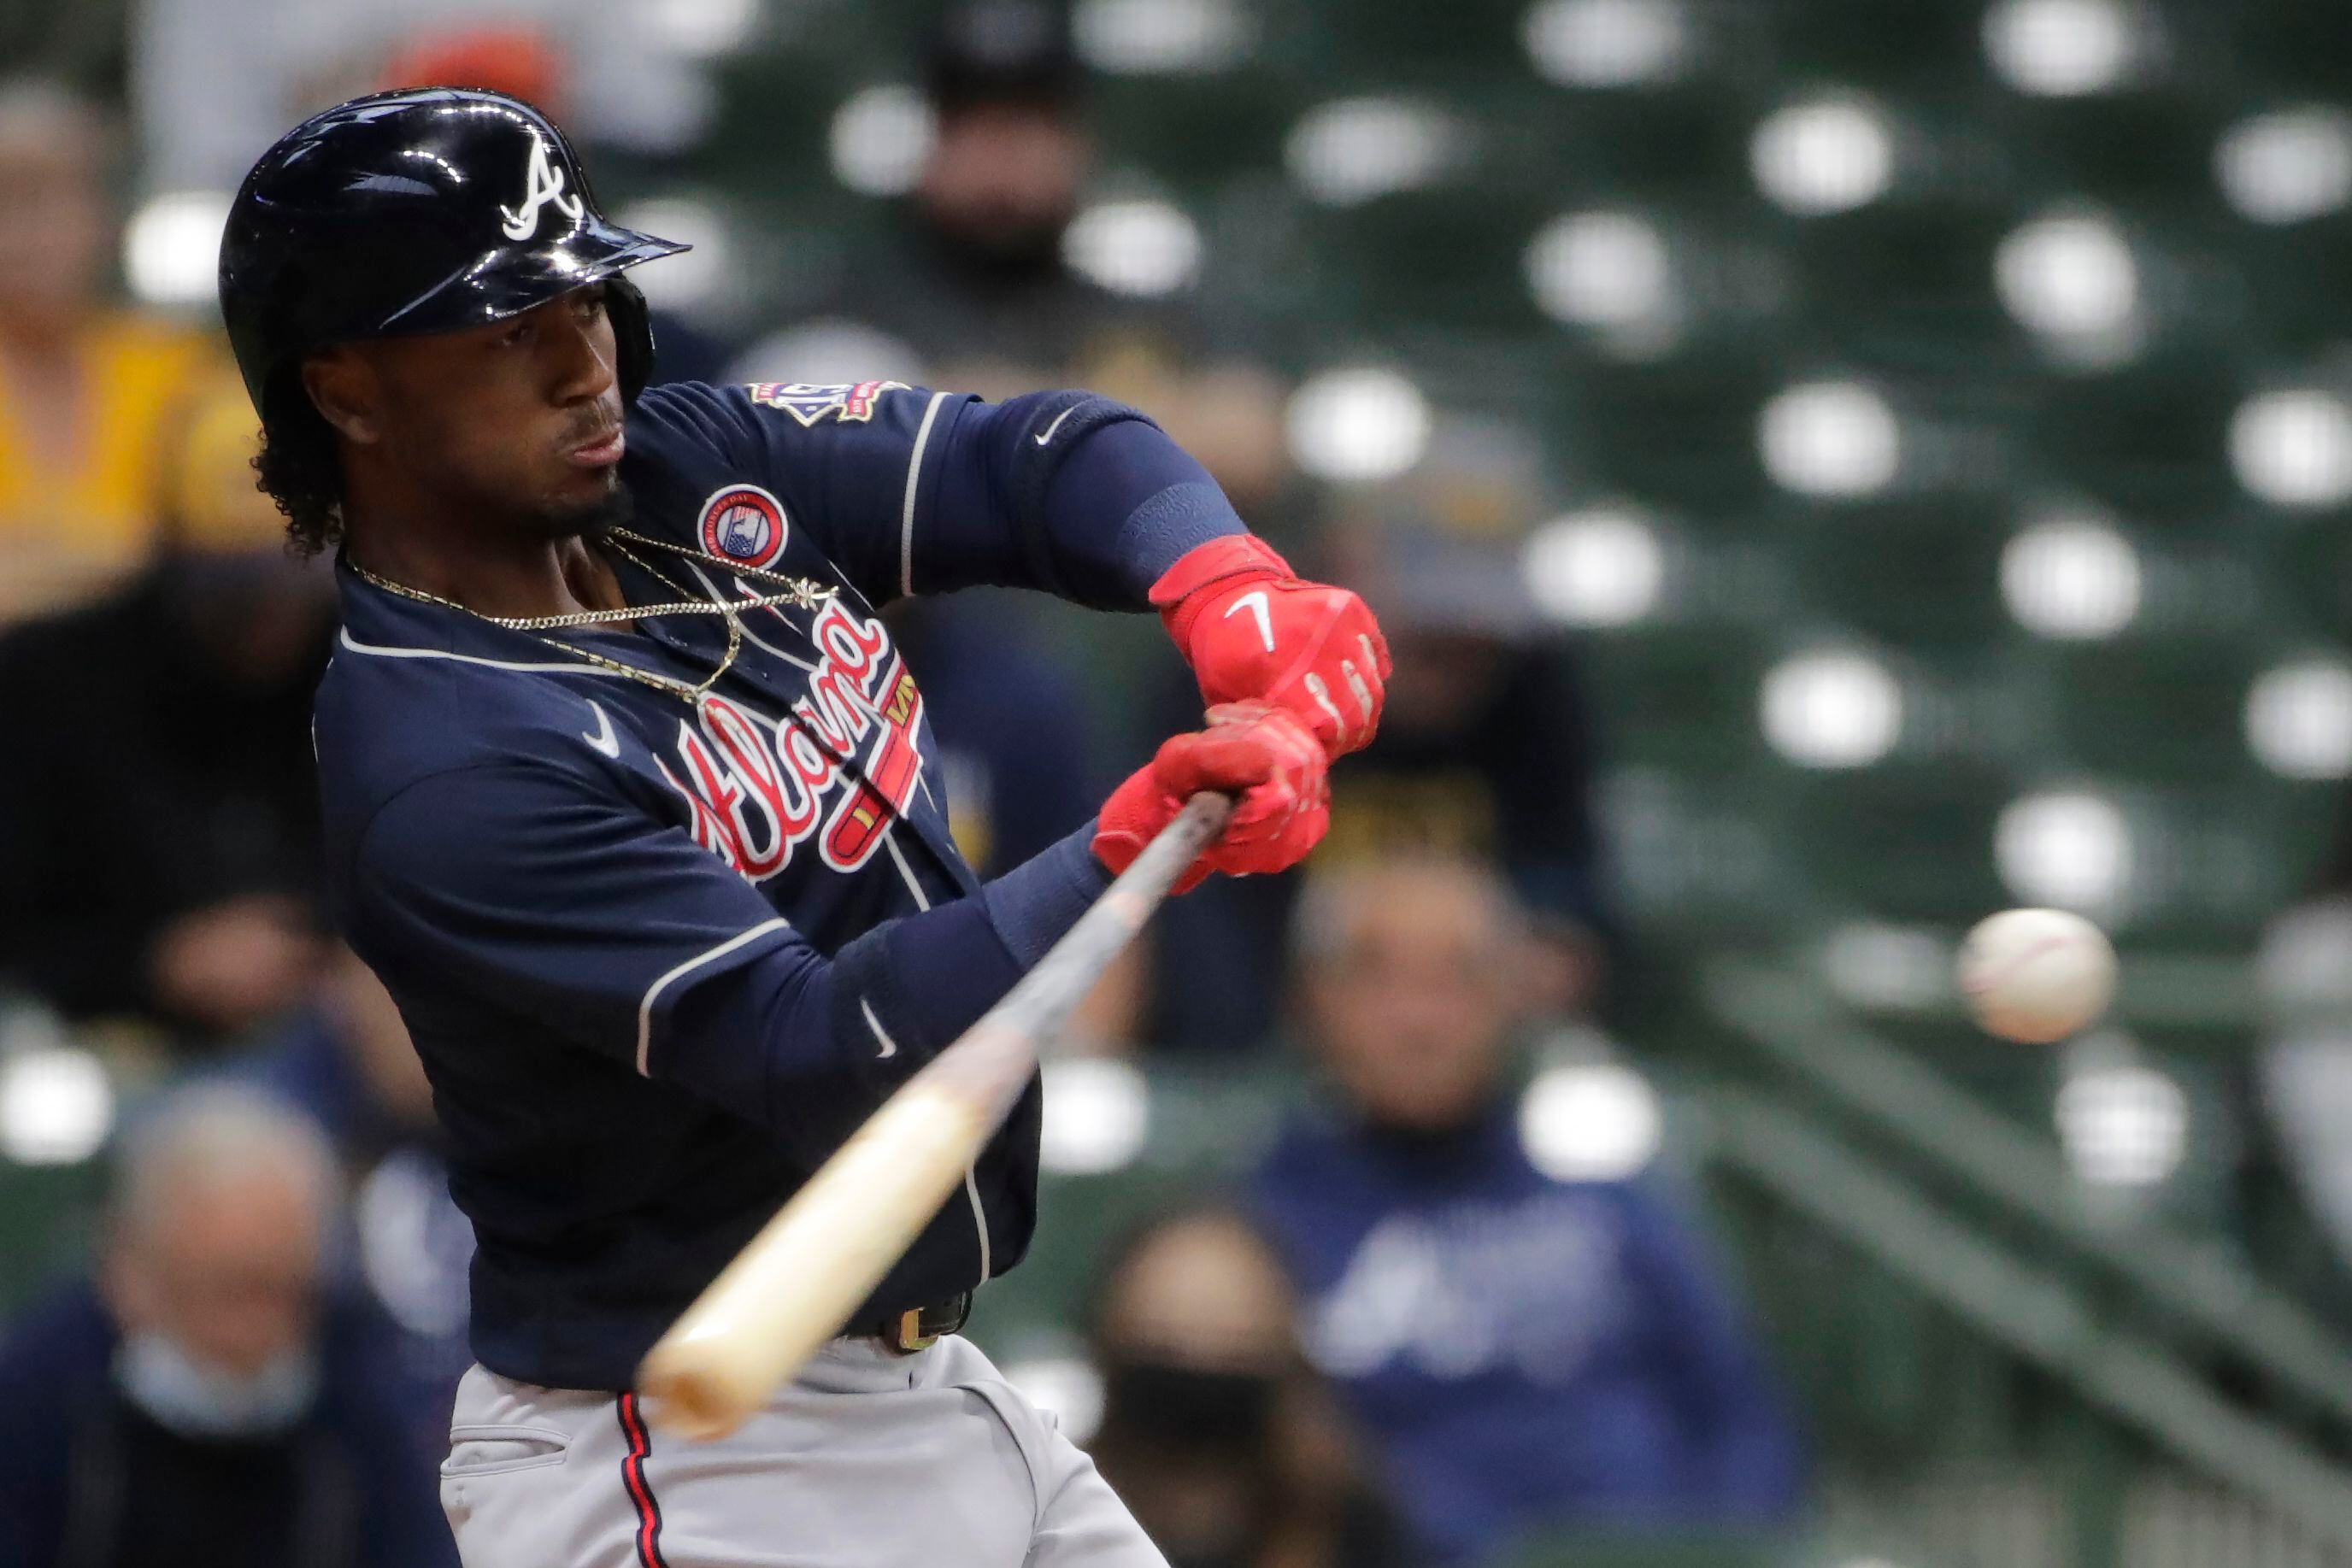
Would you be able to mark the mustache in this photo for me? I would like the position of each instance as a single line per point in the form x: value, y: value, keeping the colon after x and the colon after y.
x: 595, y: 428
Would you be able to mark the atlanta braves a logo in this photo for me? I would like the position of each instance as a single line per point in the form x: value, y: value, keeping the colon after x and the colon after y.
x: 542, y: 186
x: 755, y: 786
x: 743, y: 523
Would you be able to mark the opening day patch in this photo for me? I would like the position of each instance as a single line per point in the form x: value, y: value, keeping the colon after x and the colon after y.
x: 743, y: 523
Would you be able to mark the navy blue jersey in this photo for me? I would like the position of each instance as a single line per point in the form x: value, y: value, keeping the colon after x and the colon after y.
x: 660, y: 956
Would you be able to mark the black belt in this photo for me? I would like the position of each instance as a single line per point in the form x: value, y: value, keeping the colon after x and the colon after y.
x: 918, y: 1328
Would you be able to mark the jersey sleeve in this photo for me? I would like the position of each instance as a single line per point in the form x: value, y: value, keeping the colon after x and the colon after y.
x: 520, y: 893
x: 913, y: 491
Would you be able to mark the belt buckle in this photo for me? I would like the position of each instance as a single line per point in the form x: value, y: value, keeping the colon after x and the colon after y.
x: 920, y: 1328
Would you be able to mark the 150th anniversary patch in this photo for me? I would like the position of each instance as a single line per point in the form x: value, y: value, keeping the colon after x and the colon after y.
x: 852, y: 402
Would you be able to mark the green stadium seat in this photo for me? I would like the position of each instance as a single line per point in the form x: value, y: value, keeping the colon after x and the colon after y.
x: 1677, y: 696
x: 1850, y: 40
x: 2149, y: 441
x: 1448, y: 256
x: 47, y: 1226
x: 1573, y: 1550
x: 1906, y: 839
x: 1197, y: 132
x: 2292, y: 281
x: 1685, y: 141
x: 1405, y: 39
x: 1695, y: 859
x: 1679, y: 434
x: 2285, y: 48
x: 1919, y: 573
x: 2121, y: 148
x: 1905, y: 284
x: 2155, y: 708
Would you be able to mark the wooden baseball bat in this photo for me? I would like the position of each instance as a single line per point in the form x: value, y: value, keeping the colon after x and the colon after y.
x: 793, y: 1286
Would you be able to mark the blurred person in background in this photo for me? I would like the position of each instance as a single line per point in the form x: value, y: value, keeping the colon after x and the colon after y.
x: 158, y: 834
x: 205, y: 1401
x: 1215, y: 1432
x: 1016, y: 742
x: 1524, y: 1352
x: 215, y: 81
x: 87, y: 390
x: 1486, y: 751
x: 2294, y: 1164
x: 1018, y: 757
x: 347, y: 1059
x: 976, y: 292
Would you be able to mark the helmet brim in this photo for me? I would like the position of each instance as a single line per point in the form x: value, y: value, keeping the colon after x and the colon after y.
x: 506, y: 280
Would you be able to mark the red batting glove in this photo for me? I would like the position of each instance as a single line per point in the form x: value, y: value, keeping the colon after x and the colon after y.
x: 1250, y: 629
x: 1255, y: 750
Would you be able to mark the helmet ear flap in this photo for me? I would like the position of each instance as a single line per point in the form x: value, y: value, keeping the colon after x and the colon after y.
x: 632, y: 333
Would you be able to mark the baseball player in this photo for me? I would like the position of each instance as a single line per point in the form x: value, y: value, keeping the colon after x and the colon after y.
x: 627, y: 798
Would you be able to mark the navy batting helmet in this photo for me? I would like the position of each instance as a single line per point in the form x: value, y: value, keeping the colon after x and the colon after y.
x: 420, y: 211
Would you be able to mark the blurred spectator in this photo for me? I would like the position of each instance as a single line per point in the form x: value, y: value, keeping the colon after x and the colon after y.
x: 347, y: 1059
x: 203, y: 1401
x: 86, y: 391
x: 2295, y: 1164
x: 1525, y: 1352
x: 1016, y: 750
x: 1215, y: 1433
x: 158, y: 838
x: 976, y: 294
x: 1016, y: 759
x: 1485, y: 749
x: 215, y: 81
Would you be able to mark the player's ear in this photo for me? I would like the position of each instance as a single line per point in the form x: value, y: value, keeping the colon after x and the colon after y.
x: 342, y: 387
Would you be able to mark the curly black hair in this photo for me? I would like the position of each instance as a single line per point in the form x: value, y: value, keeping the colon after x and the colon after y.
x: 296, y: 468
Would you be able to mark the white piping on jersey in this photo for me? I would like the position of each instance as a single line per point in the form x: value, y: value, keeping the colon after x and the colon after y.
x: 889, y: 1046
x: 979, y: 1221
x: 891, y: 843
x: 385, y: 651
x: 646, y: 1007
x: 749, y: 635
x: 914, y: 477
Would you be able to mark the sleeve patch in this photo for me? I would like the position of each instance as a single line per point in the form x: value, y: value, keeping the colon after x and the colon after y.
x: 852, y: 402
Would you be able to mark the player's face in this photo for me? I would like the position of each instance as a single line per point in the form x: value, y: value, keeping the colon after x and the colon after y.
x: 517, y: 422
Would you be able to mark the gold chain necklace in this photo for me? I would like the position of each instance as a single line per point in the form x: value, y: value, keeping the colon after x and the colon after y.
x: 799, y: 593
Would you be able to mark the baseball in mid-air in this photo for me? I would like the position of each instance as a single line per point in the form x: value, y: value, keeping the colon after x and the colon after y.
x: 2036, y: 976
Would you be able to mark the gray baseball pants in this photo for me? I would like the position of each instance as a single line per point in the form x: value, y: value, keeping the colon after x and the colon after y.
x: 871, y: 1459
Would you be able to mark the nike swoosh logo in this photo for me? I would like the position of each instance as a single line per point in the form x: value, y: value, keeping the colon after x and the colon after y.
x: 1056, y: 424
x: 604, y: 740
x: 890, y: 1047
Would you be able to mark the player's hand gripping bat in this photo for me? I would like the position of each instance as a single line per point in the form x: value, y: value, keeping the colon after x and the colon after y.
x: 796, y: 1283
